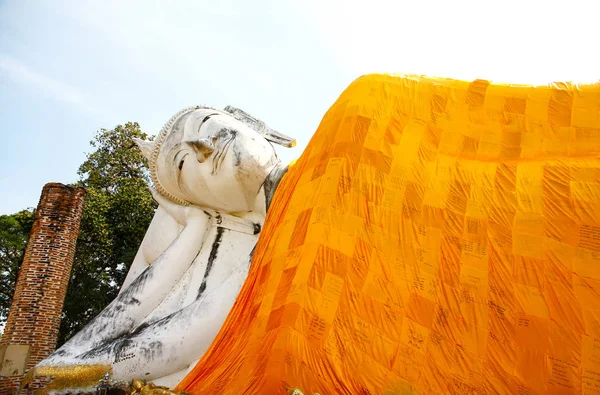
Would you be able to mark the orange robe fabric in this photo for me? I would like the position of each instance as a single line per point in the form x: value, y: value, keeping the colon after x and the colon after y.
x: 435, y: 237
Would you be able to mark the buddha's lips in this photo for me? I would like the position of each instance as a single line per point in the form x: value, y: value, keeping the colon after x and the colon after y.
x: 220, y: 154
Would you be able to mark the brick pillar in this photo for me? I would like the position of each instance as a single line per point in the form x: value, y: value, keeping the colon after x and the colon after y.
x: 31, y: 330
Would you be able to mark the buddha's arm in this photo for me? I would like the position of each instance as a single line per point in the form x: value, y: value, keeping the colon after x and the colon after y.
x: 146, y: 291
x: 176, y: 341
x: 160, y: 234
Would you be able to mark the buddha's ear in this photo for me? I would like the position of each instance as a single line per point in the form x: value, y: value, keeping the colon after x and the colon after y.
x: 145, y: 146
x: 260, y: 127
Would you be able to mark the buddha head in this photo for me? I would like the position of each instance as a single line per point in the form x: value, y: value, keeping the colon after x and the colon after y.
x: 213, y: 158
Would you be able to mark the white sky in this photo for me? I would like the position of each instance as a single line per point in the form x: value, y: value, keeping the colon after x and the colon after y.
x: 68, y: 68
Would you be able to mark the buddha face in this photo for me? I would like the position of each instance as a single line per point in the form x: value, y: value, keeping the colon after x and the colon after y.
x: 211, y: 159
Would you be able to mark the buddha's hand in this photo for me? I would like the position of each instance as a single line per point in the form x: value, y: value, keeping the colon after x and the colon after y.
x: 182, y: 214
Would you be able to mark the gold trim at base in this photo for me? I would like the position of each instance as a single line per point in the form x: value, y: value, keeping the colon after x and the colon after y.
x: 69, y: 376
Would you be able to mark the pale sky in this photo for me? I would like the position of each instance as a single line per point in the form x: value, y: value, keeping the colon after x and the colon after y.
x: 69, y: 68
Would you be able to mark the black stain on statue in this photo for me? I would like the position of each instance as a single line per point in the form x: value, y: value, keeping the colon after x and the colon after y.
x: 153, y: 351
x: 108, y: 346
x: 126, y: 346
x: 238, y: 156
x: 225, y: 137
x: 211, y: 258
x: 272, y: 182
x: 118, y: 306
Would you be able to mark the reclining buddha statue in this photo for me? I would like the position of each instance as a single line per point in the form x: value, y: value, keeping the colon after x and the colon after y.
x: 436, y: 236
x: 214, y: 174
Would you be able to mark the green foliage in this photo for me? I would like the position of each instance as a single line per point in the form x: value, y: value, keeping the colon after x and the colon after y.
x: 14, y: 233
x: 118, y: 210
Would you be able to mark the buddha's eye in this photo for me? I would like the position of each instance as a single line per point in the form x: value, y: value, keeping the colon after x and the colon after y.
x: 181, y: 164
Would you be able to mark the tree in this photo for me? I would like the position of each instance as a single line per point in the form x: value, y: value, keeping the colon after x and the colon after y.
x: 117, y: 211
x: 14, y: 233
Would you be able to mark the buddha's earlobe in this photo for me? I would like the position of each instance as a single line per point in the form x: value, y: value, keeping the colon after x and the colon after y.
x: 145, y: 146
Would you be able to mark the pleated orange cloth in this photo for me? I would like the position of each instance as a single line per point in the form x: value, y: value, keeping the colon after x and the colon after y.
x: 435, y: 237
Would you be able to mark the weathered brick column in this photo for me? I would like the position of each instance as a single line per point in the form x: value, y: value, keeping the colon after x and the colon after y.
x: 31, y: 330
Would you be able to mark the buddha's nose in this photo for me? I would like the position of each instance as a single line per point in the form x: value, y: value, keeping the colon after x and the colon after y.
x: 203, y: 148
